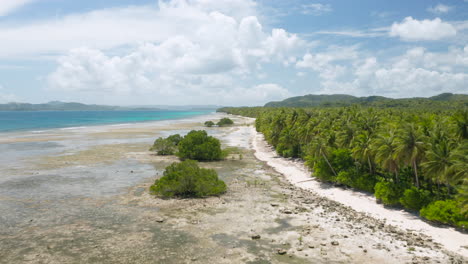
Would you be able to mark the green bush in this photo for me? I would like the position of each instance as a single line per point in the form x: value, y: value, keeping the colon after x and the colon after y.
x: 388, y: 193
x: 415, y: 199
x: 187, y: 179
x: 209, y: 123
x: 445, y: 212
x: 322, y: 170
x: 354, y: 178
x: 225, y: 122
x: 197, y: 145
x: 164, y: 146
x: 341, y: 160
x: 175, y: 139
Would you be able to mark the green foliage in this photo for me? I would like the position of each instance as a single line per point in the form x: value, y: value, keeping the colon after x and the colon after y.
x: 388, y: 192
x: 166, y: 146
x: 415, y: 199
x: 225, y: 122
x: 405, y: 143
x: 322, y: 170
x: 209, y: 123
x: 187, y: 179
x: 334, y: 100
x: 355, y: 179
x: 445, y: 212
x: 175, y: 139
x: 197, y: 145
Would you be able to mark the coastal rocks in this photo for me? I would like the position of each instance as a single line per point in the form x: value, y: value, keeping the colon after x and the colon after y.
x: 281, y: 251
x: 255, y: 236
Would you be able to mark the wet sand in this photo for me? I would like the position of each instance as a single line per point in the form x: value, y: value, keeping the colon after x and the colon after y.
x: 82, y: 197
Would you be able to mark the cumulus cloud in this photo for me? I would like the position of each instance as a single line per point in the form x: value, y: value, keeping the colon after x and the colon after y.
x: 417, y: 72
x: 213, y: 59
x: 114, y: 27
x: 316, y: 9
x: 440, y: 9
x: 411, y: 29
x: 9, y: 6
x: 329, y: 64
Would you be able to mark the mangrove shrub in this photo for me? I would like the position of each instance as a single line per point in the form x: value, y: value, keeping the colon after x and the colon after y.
x: 197, y: 145
x: 187, y: 179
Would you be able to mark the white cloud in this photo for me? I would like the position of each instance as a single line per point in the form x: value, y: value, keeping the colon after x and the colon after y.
x: 417, y: 72
x: 218, y: 55
x: 329, y: 64
x: 316, y: 9
x: 114, y: 27
x: 440, y: 9
x: 9, y: 6
x: 414, y: 30
x: 256, y: 95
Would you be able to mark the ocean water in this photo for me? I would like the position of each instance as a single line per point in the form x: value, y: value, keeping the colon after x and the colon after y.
x: 37, y: 120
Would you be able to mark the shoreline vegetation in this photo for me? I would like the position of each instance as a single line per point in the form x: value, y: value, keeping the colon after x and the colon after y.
x: 187, y: 179
x: 412, y: 159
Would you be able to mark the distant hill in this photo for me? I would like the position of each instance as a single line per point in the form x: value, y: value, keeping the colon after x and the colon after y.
x: 61, y: 106
x: 377, y: 101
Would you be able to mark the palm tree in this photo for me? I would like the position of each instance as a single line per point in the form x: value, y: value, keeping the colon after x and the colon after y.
x: 460, y: 164
x: 319, y: 148
x: 439, y: 161
x: 410, y: 147
x: 385, y: 152
x: 461, y: 124
x: 362, y: 150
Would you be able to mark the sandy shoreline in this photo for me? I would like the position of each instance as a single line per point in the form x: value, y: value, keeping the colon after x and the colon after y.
x: 298, y: 174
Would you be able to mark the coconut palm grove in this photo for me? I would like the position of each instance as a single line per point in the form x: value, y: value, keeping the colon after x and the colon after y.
x: 410, y: 157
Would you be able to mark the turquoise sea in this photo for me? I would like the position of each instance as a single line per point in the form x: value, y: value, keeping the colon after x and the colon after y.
x: 36, y: 120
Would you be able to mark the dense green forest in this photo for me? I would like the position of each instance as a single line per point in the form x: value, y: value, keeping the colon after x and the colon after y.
x: 446, y: 100
x: 414, y: 158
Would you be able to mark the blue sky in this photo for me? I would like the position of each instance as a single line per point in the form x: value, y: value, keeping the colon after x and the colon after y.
x: 229, y: 52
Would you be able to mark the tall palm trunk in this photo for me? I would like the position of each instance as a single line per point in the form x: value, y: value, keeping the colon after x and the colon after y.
x: 370, y: 165
x: 328, y: 162
x: 415, y: 168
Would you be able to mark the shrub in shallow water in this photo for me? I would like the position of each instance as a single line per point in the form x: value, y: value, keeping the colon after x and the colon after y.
x: 163, y: 146
x: 209, y: 123
x: 197, y: 145
x: 187, y: 179
x: 225, y: 122
x: 166, y: 146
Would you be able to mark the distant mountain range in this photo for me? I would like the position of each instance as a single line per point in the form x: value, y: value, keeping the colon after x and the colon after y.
x: 378, y: 101
x: 62, y: 106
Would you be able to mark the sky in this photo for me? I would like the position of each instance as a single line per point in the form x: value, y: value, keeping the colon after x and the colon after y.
x: 229, y: 52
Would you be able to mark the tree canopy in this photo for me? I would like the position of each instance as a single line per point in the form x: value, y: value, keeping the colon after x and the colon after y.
x: 197, y: 145
x: 187, y: 179
x: 415, y: 157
